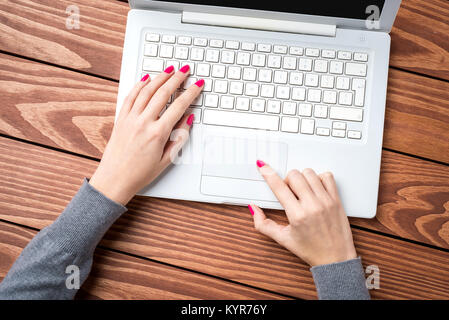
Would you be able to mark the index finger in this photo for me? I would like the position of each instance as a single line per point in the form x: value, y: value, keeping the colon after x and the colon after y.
x: 279, y: 188
x: 177, y: 109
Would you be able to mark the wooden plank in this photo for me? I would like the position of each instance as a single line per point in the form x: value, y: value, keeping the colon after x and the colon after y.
x: 420, y: 40
x: 75, y: 112
x: 420, y: 37
x: 37, y: 184
x: 118, y: 276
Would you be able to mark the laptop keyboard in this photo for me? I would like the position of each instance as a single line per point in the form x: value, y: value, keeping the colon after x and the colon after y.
x: 292, y: 89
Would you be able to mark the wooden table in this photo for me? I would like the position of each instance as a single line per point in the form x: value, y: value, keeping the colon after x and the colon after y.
x: 58, y: 90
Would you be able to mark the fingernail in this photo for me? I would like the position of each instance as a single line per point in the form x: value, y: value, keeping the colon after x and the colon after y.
x: 251, y: 209
x: 200, y: 83
x: 169, y: 69
x: 185, y: 68
x: 145, y: 77
x: 260, y: 163
x: 190, y: 119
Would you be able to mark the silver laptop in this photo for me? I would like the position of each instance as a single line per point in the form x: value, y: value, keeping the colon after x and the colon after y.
x: 293, y: 85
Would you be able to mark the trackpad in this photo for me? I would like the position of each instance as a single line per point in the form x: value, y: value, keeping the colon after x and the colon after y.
x: 229, y: 167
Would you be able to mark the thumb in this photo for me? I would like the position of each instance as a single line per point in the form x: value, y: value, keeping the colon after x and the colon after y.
x: 264, y: 225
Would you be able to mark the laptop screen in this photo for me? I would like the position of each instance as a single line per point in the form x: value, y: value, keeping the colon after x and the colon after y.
x: 352, y: 9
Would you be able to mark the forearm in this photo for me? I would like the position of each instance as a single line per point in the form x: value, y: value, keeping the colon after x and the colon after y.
x: 40, y: 270
x: 341, y: 281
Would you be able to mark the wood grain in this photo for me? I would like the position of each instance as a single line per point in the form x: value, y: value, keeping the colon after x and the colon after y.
x: 119, y: 276
x: 37, y: 184
x: 420, y: 37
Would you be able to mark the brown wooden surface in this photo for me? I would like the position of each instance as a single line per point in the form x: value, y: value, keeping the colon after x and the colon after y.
x: 74, y: 112
x: 216, y: 239
x: 119, y: 276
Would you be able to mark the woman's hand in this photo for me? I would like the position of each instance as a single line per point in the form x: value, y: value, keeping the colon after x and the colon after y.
x: 318, y: 230
x: 139, y: 148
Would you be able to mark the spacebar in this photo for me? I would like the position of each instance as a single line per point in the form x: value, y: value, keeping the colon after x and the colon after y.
x: 241, y: 120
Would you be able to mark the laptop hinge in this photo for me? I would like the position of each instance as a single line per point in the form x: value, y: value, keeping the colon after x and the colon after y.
x: 258, y: 23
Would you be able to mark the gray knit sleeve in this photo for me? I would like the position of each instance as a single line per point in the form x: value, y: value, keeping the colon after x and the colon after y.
x: 341, y: 281
x: 47, y: 267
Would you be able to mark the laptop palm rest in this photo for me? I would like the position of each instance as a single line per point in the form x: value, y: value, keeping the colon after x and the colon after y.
x: 229, y: 167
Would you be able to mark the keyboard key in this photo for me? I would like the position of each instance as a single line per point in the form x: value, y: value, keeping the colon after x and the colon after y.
x: 312, y: 52
x: 247, y: 46
x: 311, y: 80
x: 198, y: 101
x: 203, y: 70
x: 345, y: 98
x: 258, y: 105
x: 173, y: 63
x: 207, y: 85
x: 197, y: 54
x: 307, y: 126
x: 221, y: 86
x: 330, y: 54
x: 289, y: 63
x: 280, y: 77
x: 258, y: 60
x: 242, y: 103
x: 355, y: 69
x: 166, y: 51
x: 354, y: 134
x: 344, y: 55
x: 185, y: 40
x: 314, y: 95
x: 236, y: 87
x: 201, y: 42
x: 336, y: 67
x: 330, y: 97
x: 267, y: 91
x: 274, y: 106
x: 289, y: 108
x: 196, y: 112
x: 320, y: 66
x: 243, y: 58
x: 296, y: 78
x: 211, y: 100
x: 274, y: 61
x: 358, y: 85
x: 363, y: 57
x: 305, y: 64
x: 232, y: 44
x: 150, y: 50
x: 227, y: 102
x: 252, y: 89
x: 346, y: 113
x: 265, y: 75
x: 290, y: 124
x: 298, y: 94
x: 189, y: 81
x: 212, y: 55
x: 327, y: 81
x: 181, y: 53
x: 218, y: 71
x: 214, y: 43
x: 323, y: 131
x: 305, y: 110
x: 296, y: 51
x: 339, y: 125
x: 342, y: 83
x: 283, y: 92
x: 155, y: 65
x: 234, y: 73
x: 280, y: 49
x: 338, y: 133
x: 191, y: 66
x: 264, y: 47
x: 152, y: 37
x: 227, y: 57
x: 320, y: 111
x: 249, y: 74
x: 167, y: 38
x: 241, y: 120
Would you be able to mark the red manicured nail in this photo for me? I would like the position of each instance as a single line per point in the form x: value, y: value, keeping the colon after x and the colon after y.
x: 145, y: 77
x: 251, y: 210
x: 185, y: 68
x: 260, y: 163
x: 169, y: 69
x: 200, y: 83
x: 190, y: 119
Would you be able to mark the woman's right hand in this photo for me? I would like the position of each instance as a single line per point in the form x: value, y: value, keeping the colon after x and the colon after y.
x: 318, y: 231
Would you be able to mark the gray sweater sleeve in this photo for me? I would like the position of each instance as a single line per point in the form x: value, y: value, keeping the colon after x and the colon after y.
x: 58, y: 251
x: 341, y: 281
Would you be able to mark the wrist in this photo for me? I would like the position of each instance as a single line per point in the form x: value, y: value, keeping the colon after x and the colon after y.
x: 110, y: 186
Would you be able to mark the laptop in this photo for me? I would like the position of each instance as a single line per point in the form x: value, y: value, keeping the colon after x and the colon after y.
x: 297, y: 86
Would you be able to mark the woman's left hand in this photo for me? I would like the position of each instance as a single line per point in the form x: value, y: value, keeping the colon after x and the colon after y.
x: 139, y: 148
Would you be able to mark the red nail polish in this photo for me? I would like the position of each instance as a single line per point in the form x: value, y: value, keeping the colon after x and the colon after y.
x: 190, y: 119
x: 200, y: 83
x: 260, y: 163
x: 185, y: 68
x: 145, y: 77
x: 251, y: 210
x: 169, y: 69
